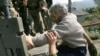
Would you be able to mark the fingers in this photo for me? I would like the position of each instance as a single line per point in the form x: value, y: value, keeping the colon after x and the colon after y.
x: 52, y: 32
x: 55, y: 34
x: 51, y: 35
x: 29, y: 41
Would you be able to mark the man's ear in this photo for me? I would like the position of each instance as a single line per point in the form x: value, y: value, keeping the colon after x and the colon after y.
x: 62, y: 13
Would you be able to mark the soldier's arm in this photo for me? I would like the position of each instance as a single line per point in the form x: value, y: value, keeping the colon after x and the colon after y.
x: 36, y: 41
x: 13, y: 11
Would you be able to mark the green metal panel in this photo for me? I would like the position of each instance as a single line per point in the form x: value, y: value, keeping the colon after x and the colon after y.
x: 12, y: 43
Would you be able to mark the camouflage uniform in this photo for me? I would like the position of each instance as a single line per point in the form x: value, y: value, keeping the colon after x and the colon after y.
x: 23, y: 13
x: 44, y: 13
x: 11, y: 12
x: 35, y: 10
x: 49, y: 2
x: 33, y: 16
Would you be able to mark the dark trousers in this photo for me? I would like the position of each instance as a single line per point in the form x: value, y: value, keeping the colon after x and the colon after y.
x: 64, y: 50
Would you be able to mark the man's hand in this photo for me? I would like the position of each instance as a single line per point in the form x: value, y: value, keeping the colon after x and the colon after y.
x: 29, y: 41
x: 51, y: 37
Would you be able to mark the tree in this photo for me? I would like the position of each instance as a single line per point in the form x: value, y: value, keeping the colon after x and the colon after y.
x: 97, y: 2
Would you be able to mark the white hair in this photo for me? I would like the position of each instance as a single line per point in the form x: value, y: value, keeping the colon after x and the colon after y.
x: 58, y: 8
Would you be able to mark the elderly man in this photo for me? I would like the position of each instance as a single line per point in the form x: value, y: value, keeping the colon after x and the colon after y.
x: 74, y: 38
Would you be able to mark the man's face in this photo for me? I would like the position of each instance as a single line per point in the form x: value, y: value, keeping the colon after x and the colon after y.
x: 54, y: 17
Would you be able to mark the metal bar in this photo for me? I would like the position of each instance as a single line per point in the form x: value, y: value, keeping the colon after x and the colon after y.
x: 98, y: 23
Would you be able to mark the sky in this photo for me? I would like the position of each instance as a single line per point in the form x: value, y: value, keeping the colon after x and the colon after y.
x: 65, y: 1
x: 78, y: 3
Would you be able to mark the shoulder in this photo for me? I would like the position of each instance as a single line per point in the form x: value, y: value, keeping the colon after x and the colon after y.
x: 69, y: 18
x: 71, y: 15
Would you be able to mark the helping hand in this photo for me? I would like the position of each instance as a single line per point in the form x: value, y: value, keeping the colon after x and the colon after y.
x: 29, y: 41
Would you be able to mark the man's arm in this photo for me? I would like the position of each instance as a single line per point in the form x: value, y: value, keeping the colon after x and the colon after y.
x: 87, y: 38
x: 91, y: 47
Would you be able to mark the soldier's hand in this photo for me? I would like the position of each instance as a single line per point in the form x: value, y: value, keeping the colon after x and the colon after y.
x: 14, y: 12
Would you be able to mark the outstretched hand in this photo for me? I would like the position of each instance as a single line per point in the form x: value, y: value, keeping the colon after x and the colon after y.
x: 29, y: 41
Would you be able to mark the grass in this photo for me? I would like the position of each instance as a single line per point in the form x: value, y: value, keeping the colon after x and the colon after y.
x: 94, y: 36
